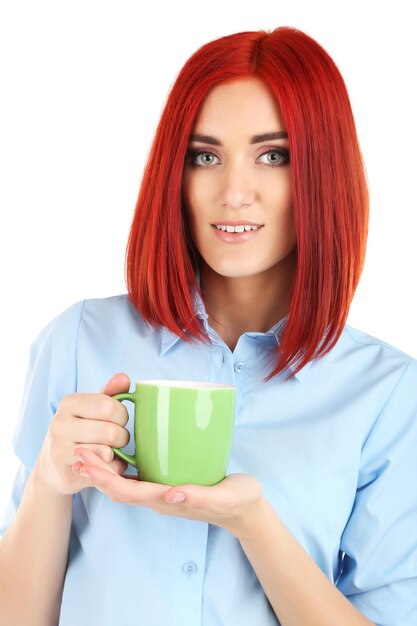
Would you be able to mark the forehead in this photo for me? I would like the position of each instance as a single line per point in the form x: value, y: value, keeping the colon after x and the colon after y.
x: 241, y: 104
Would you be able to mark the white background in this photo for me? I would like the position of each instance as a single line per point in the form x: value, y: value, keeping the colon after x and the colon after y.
x: 83, y: 85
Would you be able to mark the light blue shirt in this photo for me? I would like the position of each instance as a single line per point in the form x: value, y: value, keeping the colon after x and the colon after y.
x: 335, y: 450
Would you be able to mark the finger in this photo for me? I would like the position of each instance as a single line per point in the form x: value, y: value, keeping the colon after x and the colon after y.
x: 119, y: 383
x: 105, y: 452
x: 88, y: 456
x: 96, y: 432
x: 94, y: 406
x: 117, y: 464
x: 120, y: 466
x: 117, y: 487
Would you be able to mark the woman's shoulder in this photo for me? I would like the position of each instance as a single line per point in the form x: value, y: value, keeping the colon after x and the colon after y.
x: 109, y: 309
x: 365, y: 339
x: 363, y: 365
x: 101, y: 307
x: 369, y: 355
x: 101, y: 312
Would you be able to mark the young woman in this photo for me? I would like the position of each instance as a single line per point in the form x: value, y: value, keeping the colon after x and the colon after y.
x: 245, y: 251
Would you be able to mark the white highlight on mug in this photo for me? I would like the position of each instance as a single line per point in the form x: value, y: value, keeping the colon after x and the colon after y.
x: 162, y: 417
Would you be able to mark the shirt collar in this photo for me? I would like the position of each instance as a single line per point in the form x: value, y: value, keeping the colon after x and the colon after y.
x: 168, y: 338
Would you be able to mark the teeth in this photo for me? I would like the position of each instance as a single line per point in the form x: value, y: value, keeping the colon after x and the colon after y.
x: 236, y: 229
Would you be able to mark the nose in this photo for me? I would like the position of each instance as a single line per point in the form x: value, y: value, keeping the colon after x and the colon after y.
x: 237, y: 187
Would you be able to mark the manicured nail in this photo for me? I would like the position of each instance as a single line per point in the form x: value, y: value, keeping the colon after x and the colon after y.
x: 84, y: 473
x: 177, y: 497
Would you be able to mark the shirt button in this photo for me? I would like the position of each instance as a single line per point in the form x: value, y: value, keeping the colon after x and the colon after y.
x: 239, y: 366
x: 189, y: 568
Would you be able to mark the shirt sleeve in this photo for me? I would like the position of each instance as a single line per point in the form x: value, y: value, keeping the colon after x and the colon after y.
x: 379, y: 573
x: 51, y: 374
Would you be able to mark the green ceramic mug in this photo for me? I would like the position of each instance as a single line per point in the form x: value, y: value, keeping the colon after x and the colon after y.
x: 182, y: 430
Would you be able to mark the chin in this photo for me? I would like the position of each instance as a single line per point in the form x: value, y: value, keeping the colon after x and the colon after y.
x: 236, y: 271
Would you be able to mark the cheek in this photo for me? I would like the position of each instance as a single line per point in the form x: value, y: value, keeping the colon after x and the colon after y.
x: 283, y: 190
x: 283, y: 209
x: 278, y: 198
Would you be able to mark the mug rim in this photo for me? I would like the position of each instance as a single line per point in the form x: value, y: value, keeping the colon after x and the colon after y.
x: 184, y: 384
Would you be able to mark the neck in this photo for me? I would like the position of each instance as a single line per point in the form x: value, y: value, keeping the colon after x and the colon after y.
x: 247, y: 303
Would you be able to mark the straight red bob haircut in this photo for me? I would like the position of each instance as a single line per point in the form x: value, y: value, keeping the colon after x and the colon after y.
x: 330, y: 192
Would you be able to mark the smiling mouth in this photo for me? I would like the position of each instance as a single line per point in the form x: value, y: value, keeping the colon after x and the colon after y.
x: 242, y: 228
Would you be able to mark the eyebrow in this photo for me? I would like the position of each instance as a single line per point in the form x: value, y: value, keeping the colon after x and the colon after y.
x: 281, y: 134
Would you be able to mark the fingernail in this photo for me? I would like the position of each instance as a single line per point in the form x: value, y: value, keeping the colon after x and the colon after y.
x: 84, y: 473
x: 80, y: 458
x: 177, y: 497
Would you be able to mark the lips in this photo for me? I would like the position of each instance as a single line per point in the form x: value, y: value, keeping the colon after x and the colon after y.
x: 235, y: 238
x: 236, y: 223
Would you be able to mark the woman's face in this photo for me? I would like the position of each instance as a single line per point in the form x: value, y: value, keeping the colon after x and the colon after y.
x: 242, y: 180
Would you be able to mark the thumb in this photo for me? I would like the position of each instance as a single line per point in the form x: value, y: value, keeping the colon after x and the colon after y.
x: 119, y: 383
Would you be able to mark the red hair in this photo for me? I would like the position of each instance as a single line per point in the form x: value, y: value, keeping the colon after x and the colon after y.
x: 330, y: 193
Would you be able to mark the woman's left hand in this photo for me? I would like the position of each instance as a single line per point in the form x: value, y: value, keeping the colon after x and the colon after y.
x: 232, y: 503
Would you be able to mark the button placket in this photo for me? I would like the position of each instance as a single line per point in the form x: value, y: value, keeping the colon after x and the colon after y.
x: 244, y: 358
x: 190, y: 568
x: 239, y: 366
x: 187, y: 590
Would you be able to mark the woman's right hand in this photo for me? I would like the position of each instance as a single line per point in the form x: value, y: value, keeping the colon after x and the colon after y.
x: 92, y: 420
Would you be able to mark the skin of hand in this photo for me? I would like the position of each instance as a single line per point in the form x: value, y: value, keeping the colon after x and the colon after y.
x: 95, y: 421
x: 231, y: 504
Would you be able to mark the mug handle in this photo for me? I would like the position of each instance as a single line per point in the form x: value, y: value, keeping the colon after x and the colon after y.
x: 129, y: 458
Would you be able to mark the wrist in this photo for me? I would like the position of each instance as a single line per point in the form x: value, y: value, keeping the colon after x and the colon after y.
x: 41, y: 485
x: 247, y: 526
